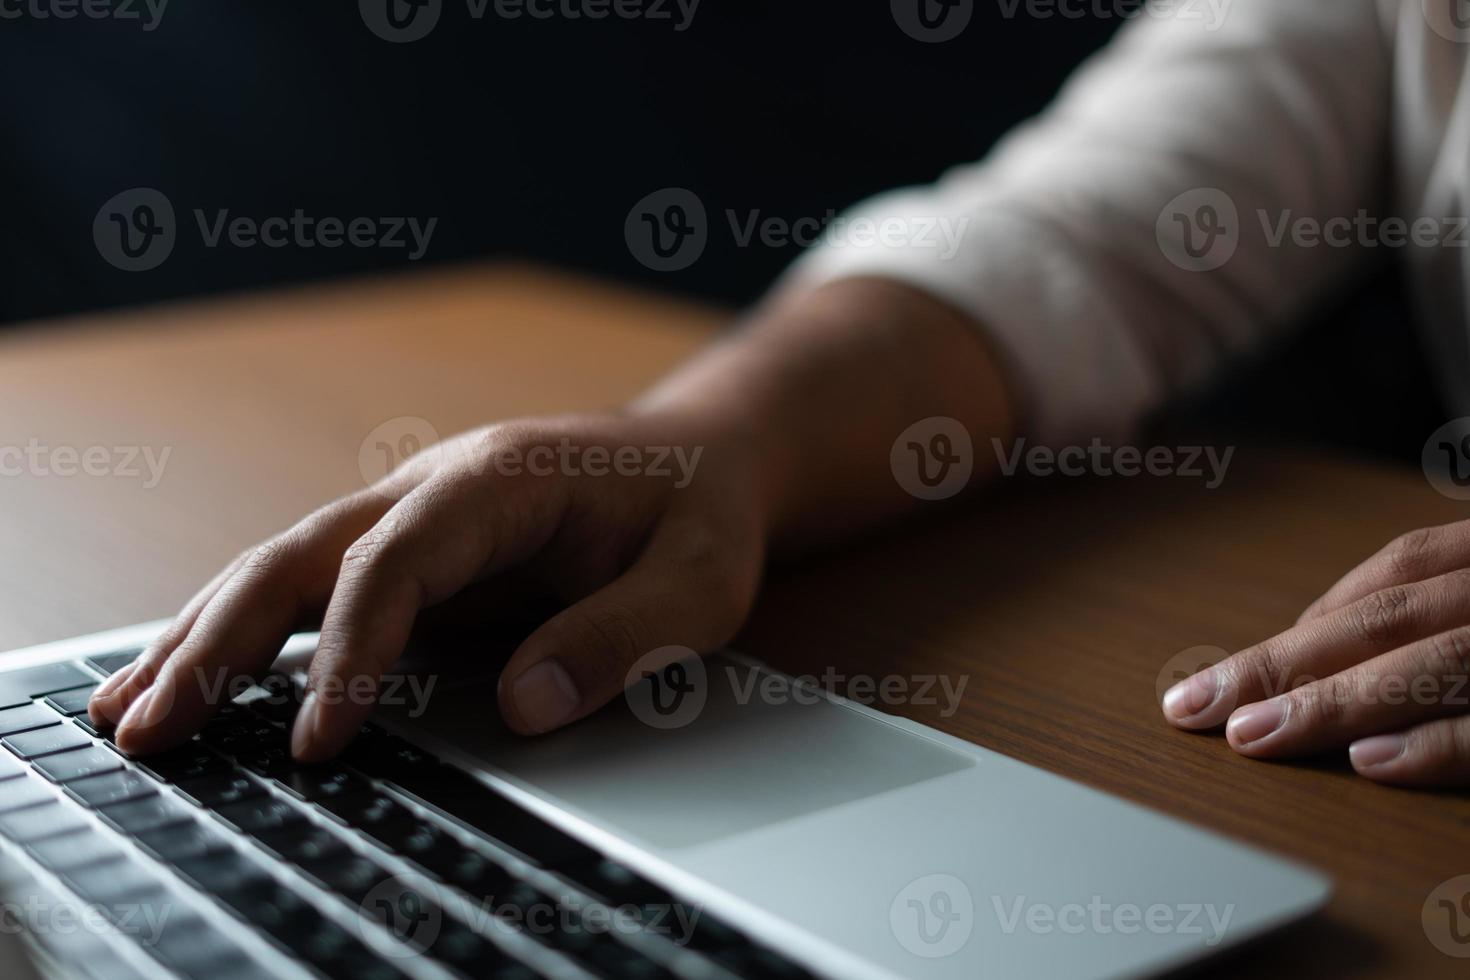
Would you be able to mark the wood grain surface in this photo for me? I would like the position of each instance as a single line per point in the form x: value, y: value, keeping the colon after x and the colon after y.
x: 1058, y: 605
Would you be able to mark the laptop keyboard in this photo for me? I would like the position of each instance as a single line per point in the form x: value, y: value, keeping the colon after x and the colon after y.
x: 361, y: 869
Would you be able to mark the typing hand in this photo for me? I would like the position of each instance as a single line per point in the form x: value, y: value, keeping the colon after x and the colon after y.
x: 1379, y: 664
x: 651, y: 547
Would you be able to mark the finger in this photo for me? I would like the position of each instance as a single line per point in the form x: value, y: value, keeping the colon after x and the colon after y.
x: 242, y: 627
x: 1436, y: 753
x: 1425, y: 680
x: 450, y: 531
x: 1375, y: 624
x: 111, y: 699
x: 686, y: 590
x: 1411, y: 557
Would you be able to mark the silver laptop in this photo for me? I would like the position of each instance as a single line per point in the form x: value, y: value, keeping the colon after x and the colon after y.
x: 724, y: 820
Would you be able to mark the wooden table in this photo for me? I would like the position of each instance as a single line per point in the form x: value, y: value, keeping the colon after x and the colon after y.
x: 1059, y: 604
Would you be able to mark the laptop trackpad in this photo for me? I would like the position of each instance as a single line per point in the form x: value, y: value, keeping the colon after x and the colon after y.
x: 700, y: 752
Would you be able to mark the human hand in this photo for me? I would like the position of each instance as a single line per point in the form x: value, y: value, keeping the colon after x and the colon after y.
x: 646, y: 560
x: 1379, y: 663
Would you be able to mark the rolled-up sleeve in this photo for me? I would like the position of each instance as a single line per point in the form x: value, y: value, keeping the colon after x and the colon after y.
x: 1124, y: 245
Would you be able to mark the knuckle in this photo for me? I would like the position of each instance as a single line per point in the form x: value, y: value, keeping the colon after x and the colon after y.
x: 1449, y: 653
x: 616, y: 636
x: 372, y: 550
x: 1380, y: 617
x: 1264, y: 666
x: 1326, y: 703
x: 266, y: 557
x: 1407, y: 556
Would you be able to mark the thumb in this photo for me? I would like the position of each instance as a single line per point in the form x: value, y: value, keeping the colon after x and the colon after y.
x: 673, y: 595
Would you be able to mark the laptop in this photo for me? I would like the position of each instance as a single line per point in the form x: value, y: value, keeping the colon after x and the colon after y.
x: 723, y: 820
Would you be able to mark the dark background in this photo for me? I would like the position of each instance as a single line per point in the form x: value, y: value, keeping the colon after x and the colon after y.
x: 534, y: 138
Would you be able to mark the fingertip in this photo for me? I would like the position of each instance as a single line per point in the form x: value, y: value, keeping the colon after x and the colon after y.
x: 539, y: 699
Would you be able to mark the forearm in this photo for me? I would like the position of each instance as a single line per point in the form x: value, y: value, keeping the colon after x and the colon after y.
x: 816, y: 387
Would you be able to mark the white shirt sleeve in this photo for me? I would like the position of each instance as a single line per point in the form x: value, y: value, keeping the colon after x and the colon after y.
x: 1123, y: 245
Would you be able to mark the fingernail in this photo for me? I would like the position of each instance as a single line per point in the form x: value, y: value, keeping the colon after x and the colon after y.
x: 133, y: 718
x: 545, y: 696
x: 110, y: 686
x: 1192, y: 695
x: 1255, y: 722
x: 304, y: 733
x: 1377, y: 750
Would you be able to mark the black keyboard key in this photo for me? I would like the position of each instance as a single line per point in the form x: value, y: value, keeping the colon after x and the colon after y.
x: 353, y: 876
x: 73, y: 702
x: 27, y: 717
x: 220, y: 789
x: 616, y: 884
x: 115, y: 787
x: 245, y: 735
x: 39, y: 822
x: 85, y: 724
x: 220, y: 872
x: 148, y: 813
x: 195, y: 949
x: 469, y: 871
x: 259, y: 815
x: 109, y: 882
x: 78, y: 764
x: 19, y: 795
x: 281, y: 703
x: 20, y: 686
x: 424, y: 843
x: 189, y: 761
x: 464, y: 950
x: 607, y: 957
x: 46, y: 741
x: 111, y: 663
x: 303, y: 845
x: 74, y: 850
x: 339, y: 956
x: 758, y: 963
x: 372, y: 814
x: 181, y: 842
x: 317, y: 783
x: 458, y: 793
